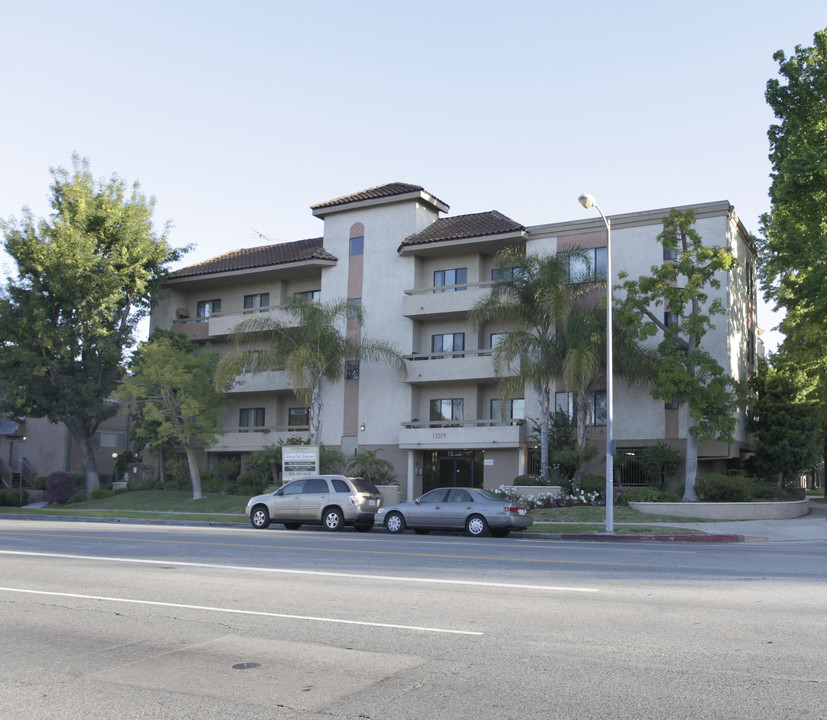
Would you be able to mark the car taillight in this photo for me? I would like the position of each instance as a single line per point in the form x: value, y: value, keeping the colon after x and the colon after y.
x: 518, y: 510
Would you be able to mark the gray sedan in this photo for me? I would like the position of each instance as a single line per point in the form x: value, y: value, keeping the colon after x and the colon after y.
x: 474, y: 510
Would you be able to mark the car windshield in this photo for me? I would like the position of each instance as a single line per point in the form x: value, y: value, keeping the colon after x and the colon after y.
x: 364, y: 486
x: 488, y: 495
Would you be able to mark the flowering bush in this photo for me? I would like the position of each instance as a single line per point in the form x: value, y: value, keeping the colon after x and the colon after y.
x: 60, y: 486
x: 560, y: 499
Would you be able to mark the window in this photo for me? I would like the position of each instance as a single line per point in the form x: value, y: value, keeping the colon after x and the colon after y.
x: 357, y: 246
x: 458, y: 276
x: 111, y: 439
x: 206, y: 308
x: 565, y: 402
x: 312, y: 295
x: 587, y: 265
x: 251, y: 419
x: 351, y: 370
x: 256, y: 302
x: 669, y: 319
x: 751, y: 347
x: 354, y: 306
x: 497, y: 339
x: 670, y: 253
x: 448, y: 342
x: 447, y: 409
x: 597, y: 407
x: 315, y: 485
x: 459, y: 496
x: 750, y: 280
x: 513, y: 409
x: 340, y: 485
x: 298, y: 418
x: 505, y: 274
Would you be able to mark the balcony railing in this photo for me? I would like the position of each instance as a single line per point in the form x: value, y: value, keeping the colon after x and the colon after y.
x: 455, y: 365
x: 466, y: 434
x: 253, y: 438
x: 443, y: 301
x: 220, y: 324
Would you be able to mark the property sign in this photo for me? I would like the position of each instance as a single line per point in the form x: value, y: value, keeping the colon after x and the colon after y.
x: 299, y: 461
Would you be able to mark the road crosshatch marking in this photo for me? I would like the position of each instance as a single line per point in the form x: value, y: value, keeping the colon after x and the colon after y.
x: 446, y: 556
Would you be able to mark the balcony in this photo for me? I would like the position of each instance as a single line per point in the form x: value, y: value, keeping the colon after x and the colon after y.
x: 453, y: 366
x: 443, y: 302
x: 261, y: 382
x: 235, y: 439
x: 219, y: 325
x: 465, y: 434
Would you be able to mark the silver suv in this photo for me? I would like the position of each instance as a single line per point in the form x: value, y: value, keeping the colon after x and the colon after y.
x: 332, y: 501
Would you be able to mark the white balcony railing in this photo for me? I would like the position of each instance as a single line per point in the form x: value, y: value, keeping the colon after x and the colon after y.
x: 467, y: 434
x: 454, y: 365
x: 445, y: 301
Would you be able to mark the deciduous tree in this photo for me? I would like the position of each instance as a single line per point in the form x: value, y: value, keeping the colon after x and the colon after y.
x: 174, y: 397
x: 673, y: 304
x: 85, y: 277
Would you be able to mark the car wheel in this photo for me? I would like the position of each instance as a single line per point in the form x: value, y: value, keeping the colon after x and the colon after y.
x: 500, y: 532
x: 395, y: 523
x: 364, y: 527
x: 292, y: 526
x: 421, y: 531
x: 476, y: 525
x: 333, y: 519
x: 260, y: 517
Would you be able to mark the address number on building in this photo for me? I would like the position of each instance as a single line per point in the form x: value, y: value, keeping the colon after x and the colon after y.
x: 440, y: 436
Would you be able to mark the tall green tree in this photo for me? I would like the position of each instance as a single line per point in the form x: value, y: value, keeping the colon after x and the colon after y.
x: 673, y: 304
x: 532, y: 296
x: 788, y: 420
x: 311, y: 348
x: 794, y: 233
x: 171, y: 389
x: 85, y: 277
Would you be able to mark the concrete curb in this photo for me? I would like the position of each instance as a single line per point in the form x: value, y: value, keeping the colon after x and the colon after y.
x: 658, y: 538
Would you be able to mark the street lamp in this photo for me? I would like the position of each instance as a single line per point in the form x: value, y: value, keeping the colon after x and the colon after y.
x: 588, y: 201
x: 20, y: 467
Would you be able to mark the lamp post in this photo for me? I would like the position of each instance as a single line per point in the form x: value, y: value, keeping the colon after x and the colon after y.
x: 20, y: 468
x: 588, y: 201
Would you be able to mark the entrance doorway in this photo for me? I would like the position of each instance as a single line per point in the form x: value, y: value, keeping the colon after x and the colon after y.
x: 452, y: 468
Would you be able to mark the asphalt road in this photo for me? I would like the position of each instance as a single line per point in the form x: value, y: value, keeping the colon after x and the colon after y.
x: 105, y: 620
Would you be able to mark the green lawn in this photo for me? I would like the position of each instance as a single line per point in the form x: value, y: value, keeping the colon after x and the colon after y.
x: 179, y: 505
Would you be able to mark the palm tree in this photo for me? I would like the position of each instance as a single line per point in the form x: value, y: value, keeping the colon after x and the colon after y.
x: 310, y: 350
x: 582, y: 347
x: 532, y: 295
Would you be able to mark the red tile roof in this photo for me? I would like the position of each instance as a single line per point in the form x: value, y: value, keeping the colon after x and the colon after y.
x: 374, y: 193
x: 464, y: 226
x: 276, y: 254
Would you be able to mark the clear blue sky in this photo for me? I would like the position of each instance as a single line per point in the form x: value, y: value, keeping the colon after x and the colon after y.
x: 239, y: 116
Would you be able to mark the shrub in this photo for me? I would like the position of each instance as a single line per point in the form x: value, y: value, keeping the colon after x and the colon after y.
x: 725, y: 488
x: 523, y: 480
x: 768, y: 491
x: 139, y: 483
x: 646, y: 494
x: 40, y: 482
x: 60, y: 486
x: 76, y: 498
x: 101, y: 493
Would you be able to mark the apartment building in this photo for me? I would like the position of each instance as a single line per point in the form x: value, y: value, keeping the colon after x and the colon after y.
x: 417, y: 272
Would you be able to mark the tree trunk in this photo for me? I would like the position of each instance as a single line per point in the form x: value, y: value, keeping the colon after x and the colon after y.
x: 91, y: 481
x: 545, y: 395
x: 195, y: 473
x: 691, y: 466
x: 315, y: 415
x: 582, y: 417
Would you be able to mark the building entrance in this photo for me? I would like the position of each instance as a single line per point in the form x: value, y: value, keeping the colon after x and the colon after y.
x: 452, y: 468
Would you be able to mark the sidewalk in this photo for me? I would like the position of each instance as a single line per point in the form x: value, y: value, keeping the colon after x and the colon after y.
x: 809, y: 528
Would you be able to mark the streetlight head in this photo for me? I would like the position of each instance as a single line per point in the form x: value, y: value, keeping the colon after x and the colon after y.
x: 587, y: 200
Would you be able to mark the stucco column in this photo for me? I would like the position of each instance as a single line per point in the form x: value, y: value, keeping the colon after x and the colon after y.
x: 411, y: 475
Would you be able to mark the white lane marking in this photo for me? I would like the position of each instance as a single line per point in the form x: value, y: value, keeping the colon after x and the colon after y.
x: 393, y: 578
x: 232, y: 611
